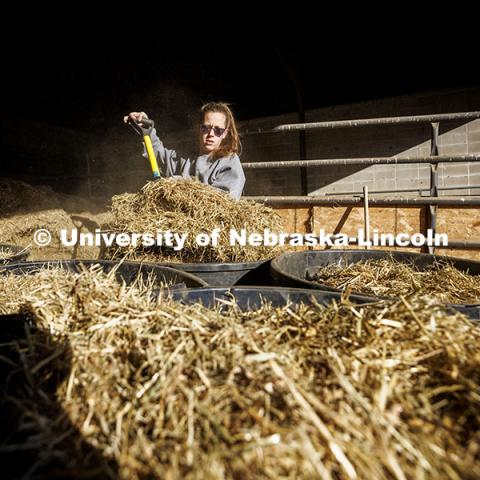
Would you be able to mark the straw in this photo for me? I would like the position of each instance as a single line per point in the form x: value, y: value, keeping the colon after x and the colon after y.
x: 389, y: 277
x: 157, y: 389
x: 188, y: 206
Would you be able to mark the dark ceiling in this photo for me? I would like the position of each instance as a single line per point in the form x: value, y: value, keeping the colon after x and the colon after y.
x: 84, y: 79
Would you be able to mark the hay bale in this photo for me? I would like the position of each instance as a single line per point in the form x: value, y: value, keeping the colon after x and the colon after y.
x: 388, y: 390
x: 188, y: 206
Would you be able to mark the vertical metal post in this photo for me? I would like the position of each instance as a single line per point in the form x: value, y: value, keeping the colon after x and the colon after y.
x: 303, y: 170
x: 366, y: 217
x: 432, y: 209
x: 303, y: 154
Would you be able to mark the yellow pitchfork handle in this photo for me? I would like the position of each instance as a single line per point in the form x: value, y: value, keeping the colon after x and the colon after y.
x: 144, y: 128
x: 151, y: 156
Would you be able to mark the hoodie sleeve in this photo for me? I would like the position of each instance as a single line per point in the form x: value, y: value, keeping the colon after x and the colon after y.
x: 169, y: 163
x: 230, y: 177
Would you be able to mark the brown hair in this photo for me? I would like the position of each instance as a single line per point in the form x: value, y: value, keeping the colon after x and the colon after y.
x: 231, y: 143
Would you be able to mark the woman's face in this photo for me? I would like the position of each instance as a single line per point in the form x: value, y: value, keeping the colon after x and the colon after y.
x: 212, y: 131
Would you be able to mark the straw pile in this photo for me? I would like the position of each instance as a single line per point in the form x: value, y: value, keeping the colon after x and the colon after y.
x: 188, y: 206
x: 121, y: 388
x: 16, y: 196
x: 389, y: 277
x: 16, y: 289
x: 26, y: 208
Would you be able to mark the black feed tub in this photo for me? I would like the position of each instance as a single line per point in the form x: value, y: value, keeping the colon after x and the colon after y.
x: 252, y: 298
x: 228, y: 274
x: 125, y: 271
x: 294, y: 269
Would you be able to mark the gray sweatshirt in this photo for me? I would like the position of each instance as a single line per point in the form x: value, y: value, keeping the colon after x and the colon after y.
x: 225, y: 173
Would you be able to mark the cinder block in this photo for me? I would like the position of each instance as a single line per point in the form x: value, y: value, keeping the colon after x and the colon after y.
x: 473, y: 126
x: 385, y: 185
x: 407, y: 172
x: 407, y: 183
x: 454, y: 138
x: 458, y: 192
x: 424, y: 171
x: 455, y: 169
x: 382, y: 169
x: 441, y: 180
x: 474, y: 179
x: 474, y: 147
x: 473, y: 168
x: 459, y: 181
x: 474, y: 136
x: 452, y: 150
x: 340, y: 187
x: 424, y: 184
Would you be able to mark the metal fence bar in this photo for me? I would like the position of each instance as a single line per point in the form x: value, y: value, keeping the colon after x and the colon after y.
x: 405, y: 190
x: 290, y: 127
x: 452, y: 244
x: 329, y: 201
x: 361, y: 161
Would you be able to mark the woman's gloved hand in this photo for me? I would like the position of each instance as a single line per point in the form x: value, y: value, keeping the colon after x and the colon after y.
x: 135, y: 116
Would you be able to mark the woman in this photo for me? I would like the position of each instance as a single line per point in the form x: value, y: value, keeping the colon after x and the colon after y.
x: 218, y: 163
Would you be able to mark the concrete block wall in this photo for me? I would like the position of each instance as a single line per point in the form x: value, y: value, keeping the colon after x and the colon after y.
x: 415, y: 178
x: 456, y: 137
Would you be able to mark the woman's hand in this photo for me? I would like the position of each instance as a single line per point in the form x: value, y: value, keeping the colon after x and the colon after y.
x: 135, y: 116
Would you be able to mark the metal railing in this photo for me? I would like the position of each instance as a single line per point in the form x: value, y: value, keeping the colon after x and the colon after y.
x: 362, y: 161
x: 289, y: 127
x: 431, y: 202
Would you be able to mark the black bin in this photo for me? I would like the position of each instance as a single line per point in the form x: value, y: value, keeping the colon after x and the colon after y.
x: 228, y: 274
x: 251, y: 298
x: 125, y: 271
x: 293, y: 269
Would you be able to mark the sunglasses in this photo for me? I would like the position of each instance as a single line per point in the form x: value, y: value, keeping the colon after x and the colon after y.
x: 217, y: 131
